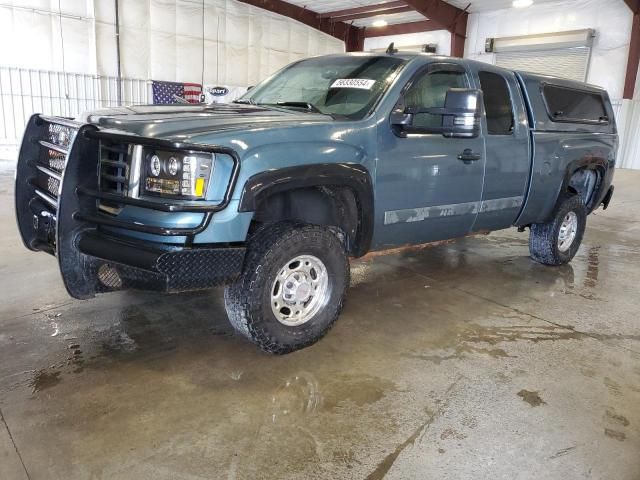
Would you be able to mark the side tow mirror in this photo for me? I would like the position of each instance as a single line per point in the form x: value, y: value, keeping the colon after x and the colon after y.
x: 400, y: 118
x: 462, y: 113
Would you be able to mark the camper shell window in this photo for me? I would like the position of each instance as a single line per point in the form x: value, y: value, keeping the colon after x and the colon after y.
x: 574, y: 106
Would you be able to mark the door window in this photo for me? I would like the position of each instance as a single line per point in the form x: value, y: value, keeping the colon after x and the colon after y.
x: 430, y: 91
x: 497, y: 103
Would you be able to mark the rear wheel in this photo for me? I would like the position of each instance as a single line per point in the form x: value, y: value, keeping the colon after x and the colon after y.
x: 292, y: 287
x: 556, y: 242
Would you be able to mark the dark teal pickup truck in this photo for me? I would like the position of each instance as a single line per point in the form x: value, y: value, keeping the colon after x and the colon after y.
x: 330, y: 158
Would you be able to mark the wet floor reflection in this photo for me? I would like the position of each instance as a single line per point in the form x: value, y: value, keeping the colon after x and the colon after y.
x: 593, y: 267
x: 149, y: 325
x: 164, y: 378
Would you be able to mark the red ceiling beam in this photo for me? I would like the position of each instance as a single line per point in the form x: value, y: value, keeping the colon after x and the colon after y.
x: 458, y: 39
x: 448, y: 17
x: 401, y: 28
x: 634, y: 5
x: 389, y: 11
x: 353, y: 37
x: 370, y: 9
x: 634, y: 51
x: 633, y: 61
x: 439, y: 11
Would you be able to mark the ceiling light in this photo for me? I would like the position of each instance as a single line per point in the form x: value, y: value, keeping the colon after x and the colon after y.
x: 522, y: 3
x: 379, y: 23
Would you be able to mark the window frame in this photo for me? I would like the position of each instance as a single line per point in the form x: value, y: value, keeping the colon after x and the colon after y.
x: 586, y: 91
x: 511, y: 103
x: 426, y: 70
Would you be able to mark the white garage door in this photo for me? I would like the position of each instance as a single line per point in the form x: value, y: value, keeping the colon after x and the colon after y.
x: 562, y: 54
x: 572, y: 63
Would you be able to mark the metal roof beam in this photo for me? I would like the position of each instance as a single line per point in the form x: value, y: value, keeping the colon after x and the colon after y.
x: 401, y: 28
x: 352, y: 36
x: 440, y: 12
x: 389, y: 11
x: 634, y: 5
x: 369, y: 10
x: 448, y: 17
x: 633, y: 62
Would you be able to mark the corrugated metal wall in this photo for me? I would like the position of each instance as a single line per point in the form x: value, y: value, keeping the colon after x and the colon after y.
x: 629, y: 128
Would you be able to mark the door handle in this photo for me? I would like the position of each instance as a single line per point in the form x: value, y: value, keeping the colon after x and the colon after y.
x: 468, y: 156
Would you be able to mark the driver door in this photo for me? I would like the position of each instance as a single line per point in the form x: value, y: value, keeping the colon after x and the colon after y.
x: 424, y: 192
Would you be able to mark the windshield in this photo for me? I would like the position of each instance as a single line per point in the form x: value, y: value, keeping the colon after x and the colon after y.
x: 346, y: 86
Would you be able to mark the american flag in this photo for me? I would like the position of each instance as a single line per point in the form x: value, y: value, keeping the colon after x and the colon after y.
x: 166, y: 92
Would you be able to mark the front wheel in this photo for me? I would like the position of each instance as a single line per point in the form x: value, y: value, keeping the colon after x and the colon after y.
x: 292, y: 287
x: 557, y: 242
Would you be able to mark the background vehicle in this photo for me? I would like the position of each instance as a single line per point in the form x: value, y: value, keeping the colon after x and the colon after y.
x: 332, y: 157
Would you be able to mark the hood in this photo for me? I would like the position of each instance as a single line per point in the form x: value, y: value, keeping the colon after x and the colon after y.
x: 190, y: 120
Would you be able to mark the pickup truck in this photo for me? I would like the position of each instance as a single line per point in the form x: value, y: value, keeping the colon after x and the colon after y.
x: 330, y: 158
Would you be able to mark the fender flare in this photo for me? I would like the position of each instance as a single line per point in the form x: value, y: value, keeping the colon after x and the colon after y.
x: 354, y: 176
x: 589, y: 163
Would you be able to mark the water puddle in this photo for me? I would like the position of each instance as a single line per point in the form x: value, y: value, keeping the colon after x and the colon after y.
x: 44, y: 379
x: 531, y: 397
x: 302, y: 394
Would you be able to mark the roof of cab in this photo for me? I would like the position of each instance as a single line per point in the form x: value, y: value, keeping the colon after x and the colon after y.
x: 528, y: 77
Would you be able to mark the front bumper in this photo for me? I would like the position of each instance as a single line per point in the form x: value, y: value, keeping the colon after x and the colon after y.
x: 114, y: 263
x: 58, y: 195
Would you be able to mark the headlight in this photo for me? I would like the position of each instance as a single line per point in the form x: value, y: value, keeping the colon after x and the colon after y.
x: 177, y: 174
x: 154, y: 165
x: 173, y: 166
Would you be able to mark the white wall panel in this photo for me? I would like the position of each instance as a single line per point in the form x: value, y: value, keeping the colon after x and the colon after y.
x: 248, y: 43
x: 30, y: 34
x: 79, y: 44
x: 135, y: 53
x: 629, y: 153
x: 159, y: 39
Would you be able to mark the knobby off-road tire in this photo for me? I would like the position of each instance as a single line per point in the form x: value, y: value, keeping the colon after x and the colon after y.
x: 556, y: 242
x: 287, y: 263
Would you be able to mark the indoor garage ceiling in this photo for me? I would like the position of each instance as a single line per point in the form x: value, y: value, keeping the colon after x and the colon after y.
x: 324, y: 6
x: 487, y: 5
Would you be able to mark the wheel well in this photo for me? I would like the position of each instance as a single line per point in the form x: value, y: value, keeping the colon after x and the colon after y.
x: 585, y: 182
x: 333, y: 206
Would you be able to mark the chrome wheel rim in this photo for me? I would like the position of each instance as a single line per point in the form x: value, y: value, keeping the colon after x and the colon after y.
x: 568, y: 230
x: 300, y: 290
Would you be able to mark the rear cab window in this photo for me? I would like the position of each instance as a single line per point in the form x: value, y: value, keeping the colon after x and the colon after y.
x: 574, y: 106
x: 497, y: 103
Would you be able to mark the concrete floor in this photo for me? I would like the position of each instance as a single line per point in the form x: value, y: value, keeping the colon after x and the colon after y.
x: 463, y: 360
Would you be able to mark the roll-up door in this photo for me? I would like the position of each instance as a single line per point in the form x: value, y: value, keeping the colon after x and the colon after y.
x: 563, y: 54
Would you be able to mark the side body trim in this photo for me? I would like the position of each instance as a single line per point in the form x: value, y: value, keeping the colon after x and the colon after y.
x: 422, y: 213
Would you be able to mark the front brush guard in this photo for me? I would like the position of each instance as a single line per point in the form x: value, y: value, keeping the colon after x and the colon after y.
x: 46, y: 222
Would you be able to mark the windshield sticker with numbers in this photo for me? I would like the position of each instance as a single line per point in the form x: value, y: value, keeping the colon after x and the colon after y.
x: 363, y: 83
